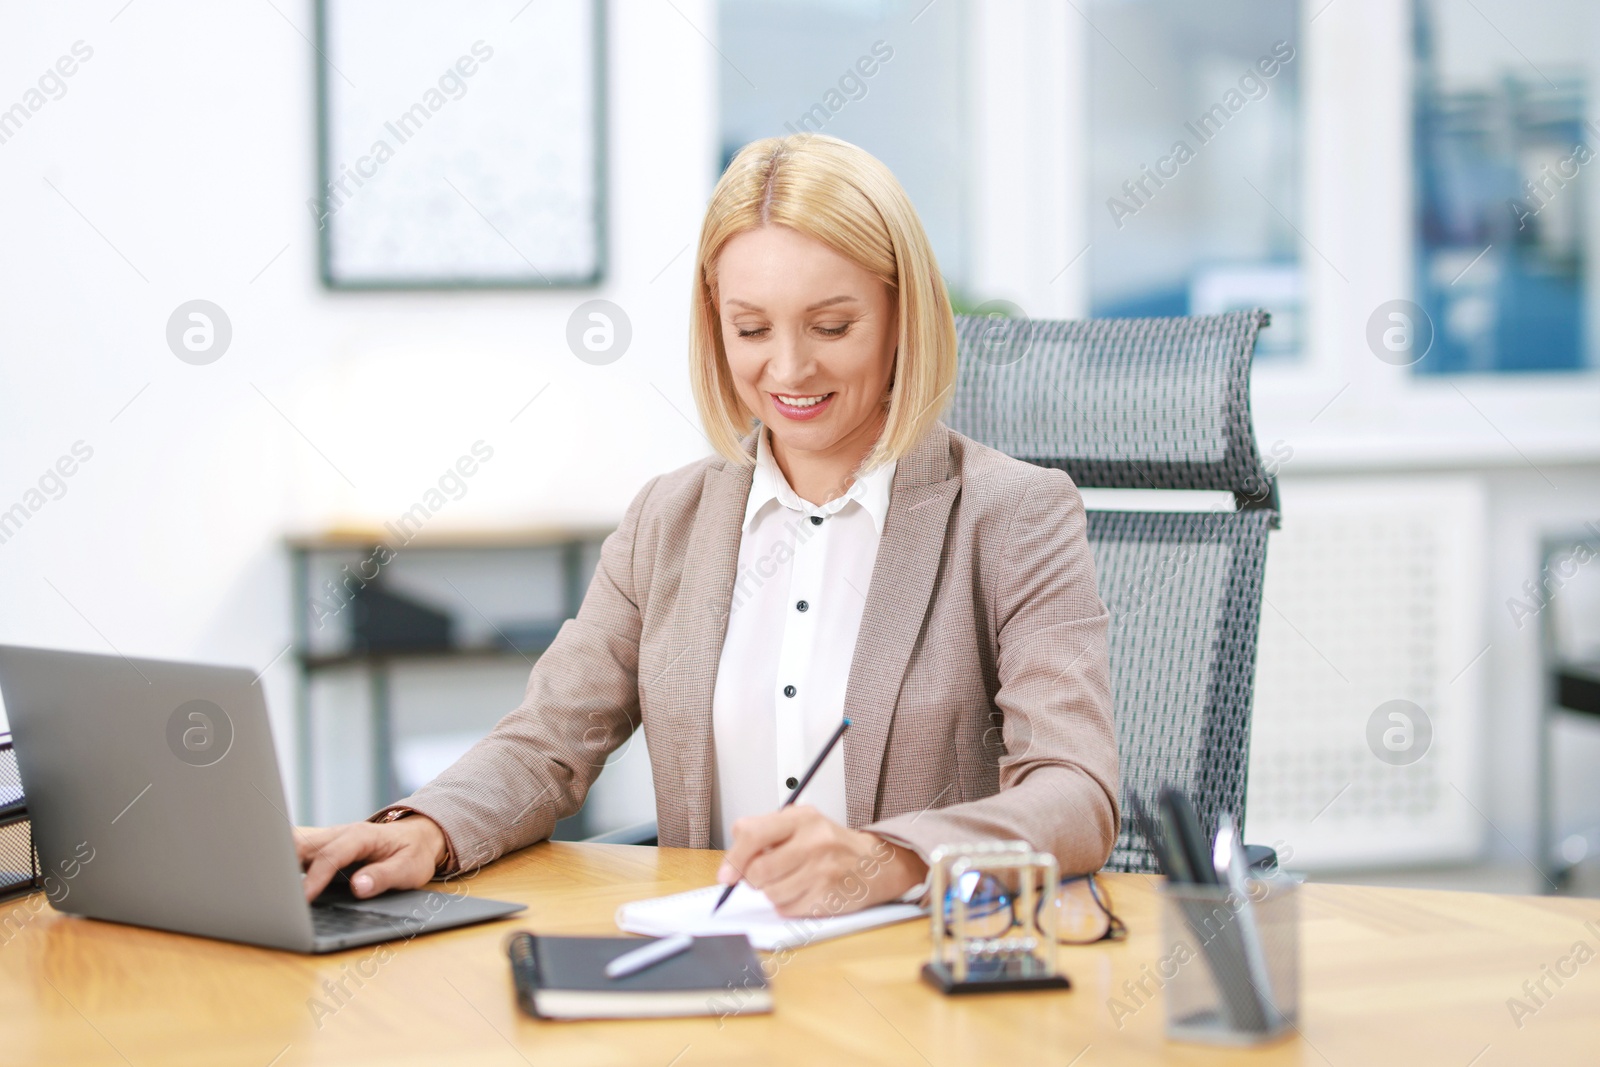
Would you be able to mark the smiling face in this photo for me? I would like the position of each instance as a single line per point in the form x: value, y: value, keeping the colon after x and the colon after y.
x: 810, y: 338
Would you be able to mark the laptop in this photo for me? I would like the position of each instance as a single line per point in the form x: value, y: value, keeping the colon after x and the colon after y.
x: 155, y: 799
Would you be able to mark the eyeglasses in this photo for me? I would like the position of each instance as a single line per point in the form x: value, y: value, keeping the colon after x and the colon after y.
x: 1083, y: 908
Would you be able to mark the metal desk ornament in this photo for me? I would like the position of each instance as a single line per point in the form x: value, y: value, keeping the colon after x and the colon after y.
x: 994, y: 915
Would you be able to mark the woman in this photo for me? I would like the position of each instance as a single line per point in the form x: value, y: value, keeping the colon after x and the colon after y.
x: 847, y: 555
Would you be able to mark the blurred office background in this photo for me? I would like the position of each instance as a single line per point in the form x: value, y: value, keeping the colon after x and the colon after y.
x: 1404, y: 185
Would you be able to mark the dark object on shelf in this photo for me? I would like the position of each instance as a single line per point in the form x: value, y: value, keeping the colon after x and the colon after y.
x: 382, y: 621
x: 1578, y: 687
x: 19, y: 864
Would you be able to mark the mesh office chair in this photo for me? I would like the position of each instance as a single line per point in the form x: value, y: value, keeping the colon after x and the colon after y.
x: 1149, y: 404
x: 1144, y: 404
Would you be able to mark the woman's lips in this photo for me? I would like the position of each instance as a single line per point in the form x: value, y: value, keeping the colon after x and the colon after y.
x: 801, y: 414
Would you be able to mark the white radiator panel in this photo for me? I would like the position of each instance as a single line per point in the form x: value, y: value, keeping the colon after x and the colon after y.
x: 1373, y: 594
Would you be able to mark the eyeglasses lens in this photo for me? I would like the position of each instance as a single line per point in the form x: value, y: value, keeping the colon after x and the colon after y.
x: 1081, y: 917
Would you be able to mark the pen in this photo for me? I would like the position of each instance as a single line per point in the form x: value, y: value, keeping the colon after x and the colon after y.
x: 1185, y: 825
x: 1156, y: 839
x: 1228, y: 858
x: 815, y: 765
x: 636, y: 960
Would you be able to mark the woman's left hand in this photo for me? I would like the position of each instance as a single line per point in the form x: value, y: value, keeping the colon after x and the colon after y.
x: 807, y: 864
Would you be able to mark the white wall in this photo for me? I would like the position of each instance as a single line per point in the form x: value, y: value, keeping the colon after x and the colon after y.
x: 176, y: 166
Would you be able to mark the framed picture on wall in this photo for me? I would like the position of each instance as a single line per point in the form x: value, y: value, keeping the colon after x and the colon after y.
x: 460, y: 145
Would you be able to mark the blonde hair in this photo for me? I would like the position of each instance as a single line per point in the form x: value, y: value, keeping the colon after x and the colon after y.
x: 844, y: 197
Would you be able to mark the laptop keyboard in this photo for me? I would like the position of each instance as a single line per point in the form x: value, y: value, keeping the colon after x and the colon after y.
x: 331, y: 920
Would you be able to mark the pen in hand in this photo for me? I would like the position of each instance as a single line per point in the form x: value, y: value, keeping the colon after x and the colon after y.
x: 815, y: 765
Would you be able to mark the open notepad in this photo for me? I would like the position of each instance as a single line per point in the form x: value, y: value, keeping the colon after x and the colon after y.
x: 749, y: 912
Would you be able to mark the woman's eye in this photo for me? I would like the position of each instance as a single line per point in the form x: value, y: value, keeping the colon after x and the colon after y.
x: 829, y: 331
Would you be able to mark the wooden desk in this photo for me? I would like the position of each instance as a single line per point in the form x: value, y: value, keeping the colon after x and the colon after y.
x: 1390, y: 976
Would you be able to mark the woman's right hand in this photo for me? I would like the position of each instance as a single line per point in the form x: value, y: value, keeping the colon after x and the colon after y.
x: 399, y: 855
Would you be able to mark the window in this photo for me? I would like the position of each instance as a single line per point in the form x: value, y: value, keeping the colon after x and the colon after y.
x: 887, y: 75
x: 1195, y: 170
x: 1502, y: 150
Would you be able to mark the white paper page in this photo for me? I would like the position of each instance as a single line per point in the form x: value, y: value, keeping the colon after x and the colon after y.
x: 749, y: 912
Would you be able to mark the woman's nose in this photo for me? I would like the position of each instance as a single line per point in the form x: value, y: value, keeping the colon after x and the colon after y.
x: 792, y: 364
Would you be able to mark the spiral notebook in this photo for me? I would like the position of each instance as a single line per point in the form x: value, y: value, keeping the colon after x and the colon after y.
x: 564, y: 978
x: 749, y: 912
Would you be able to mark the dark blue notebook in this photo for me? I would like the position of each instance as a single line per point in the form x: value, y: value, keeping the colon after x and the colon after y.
x: 564, y: 978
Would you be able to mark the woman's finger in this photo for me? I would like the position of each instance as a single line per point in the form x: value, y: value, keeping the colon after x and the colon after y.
x: 308, y: 841
x: 405, y: 869
x: 795, y: 895
x: 751, y: 837
x: 784, y: 860
x: 358, y: 841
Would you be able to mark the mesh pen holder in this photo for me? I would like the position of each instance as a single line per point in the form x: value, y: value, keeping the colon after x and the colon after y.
x: 1234, y: 961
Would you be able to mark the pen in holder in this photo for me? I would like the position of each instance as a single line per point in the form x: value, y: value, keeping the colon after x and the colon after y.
x: 993, y: 908
x: 1236, y: 960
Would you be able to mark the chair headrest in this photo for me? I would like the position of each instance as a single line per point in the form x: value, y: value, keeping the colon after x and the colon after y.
x: 1154, y: 403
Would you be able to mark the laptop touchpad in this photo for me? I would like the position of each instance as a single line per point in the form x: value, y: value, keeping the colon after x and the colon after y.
x: 419, y: 904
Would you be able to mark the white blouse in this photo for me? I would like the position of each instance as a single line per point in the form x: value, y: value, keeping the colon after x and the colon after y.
x: 798, y: 596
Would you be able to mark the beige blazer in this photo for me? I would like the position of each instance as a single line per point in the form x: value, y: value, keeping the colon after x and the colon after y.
x: 979, y: 693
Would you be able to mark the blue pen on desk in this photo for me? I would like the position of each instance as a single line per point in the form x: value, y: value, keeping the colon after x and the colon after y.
x: 638, y: 959
x: 816, y: 765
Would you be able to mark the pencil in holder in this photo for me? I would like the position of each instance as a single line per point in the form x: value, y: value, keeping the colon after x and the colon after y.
x: 1235, y: 958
